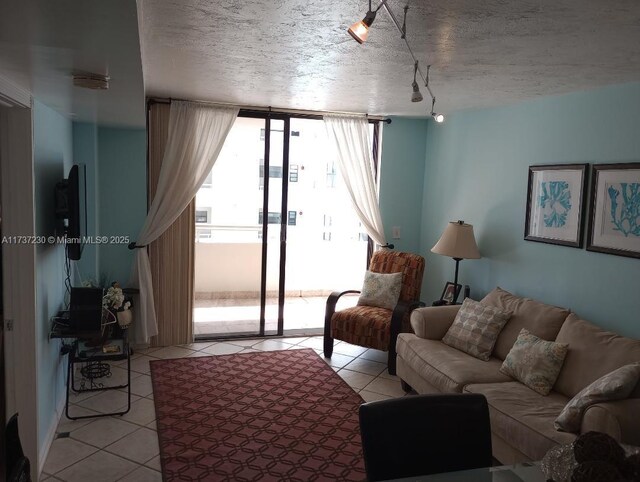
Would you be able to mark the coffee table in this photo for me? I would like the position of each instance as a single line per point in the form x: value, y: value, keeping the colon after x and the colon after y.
x: 525, y: 472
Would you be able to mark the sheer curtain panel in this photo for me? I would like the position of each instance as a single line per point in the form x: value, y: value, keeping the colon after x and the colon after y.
x: 351, y: 137
x: 196, y: 134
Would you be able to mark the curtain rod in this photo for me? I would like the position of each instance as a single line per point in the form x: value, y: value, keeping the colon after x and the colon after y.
x: 302, y: 112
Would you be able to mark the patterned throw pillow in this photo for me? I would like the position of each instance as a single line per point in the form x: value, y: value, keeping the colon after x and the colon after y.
x: 476, y: 328
x: 613, y: 386
x: 535, y: 362
x: 381, y: 290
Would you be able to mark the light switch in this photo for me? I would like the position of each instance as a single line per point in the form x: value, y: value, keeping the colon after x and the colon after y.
x: 395, y: 232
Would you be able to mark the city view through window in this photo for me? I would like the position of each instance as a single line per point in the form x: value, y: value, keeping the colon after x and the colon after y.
x: 325, y: 247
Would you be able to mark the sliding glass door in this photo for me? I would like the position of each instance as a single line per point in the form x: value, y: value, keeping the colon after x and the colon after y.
x: 326, y: 243
x: 229, y: 247
x: 275, y: 231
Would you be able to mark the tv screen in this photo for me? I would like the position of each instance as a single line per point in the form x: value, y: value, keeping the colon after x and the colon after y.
x: 71, y: 209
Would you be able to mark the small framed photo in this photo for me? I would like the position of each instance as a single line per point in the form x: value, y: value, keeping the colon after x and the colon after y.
x: 614, y: 224
x: 555, y: 199
x: 450, y: 293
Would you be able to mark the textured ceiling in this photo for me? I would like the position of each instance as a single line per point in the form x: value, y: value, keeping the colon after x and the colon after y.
x: 297, y: 53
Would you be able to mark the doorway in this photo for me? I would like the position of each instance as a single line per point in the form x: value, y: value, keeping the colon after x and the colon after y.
x: 274, y: 227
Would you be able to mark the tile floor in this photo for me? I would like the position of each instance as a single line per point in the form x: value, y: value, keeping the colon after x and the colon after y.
x: 225, y: 316
x: 126, y: 448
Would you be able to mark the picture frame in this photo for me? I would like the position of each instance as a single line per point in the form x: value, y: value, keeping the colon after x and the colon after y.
x: 555, y: 204
x: 614, y: 223
x: 450, y: 293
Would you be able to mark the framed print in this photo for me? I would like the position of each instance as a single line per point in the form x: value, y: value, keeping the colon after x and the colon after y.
x: 450, y: 293
x: 614, y: 226
x: 555, y: 198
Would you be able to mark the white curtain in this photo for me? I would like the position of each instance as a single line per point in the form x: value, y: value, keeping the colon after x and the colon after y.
x: 196, y: 136
x: 351, y: 137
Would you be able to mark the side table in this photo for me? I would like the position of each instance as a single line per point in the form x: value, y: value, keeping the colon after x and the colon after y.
x: 94, y: 367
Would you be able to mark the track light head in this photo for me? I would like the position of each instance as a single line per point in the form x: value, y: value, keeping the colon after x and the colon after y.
x: 416, y: 95
x: 439, y: 118
x: 360, y: 30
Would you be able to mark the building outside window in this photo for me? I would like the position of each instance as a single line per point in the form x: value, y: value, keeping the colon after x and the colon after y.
x: 331, y: 174
x: 203, y: 215
x: 272, y: 217
x: 293, y: 173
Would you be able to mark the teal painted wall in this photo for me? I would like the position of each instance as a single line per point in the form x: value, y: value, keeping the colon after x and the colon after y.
x: 476, y: 170
x: 116, y: 163
x: 401, y: 180
x: 85, y: 150
x: 122, y: 207
x: 53, y: 157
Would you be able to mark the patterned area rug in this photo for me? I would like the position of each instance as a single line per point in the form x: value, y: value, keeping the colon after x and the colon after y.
x: 280, y: 415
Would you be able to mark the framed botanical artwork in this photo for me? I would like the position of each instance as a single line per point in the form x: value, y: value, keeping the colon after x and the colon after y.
x: 555, y: 199
x: 614, y: 226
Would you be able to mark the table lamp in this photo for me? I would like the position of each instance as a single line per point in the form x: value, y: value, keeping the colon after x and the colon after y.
x: 457, y: 242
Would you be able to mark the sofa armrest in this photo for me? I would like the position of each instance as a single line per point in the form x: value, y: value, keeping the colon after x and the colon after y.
x: 433, y: 322
x: 617, y: 418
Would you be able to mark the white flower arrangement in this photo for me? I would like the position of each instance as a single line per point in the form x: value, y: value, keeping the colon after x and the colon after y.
x: 114, y: 298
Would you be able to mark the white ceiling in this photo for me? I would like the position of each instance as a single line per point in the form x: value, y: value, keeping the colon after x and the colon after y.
x: 297, y: 53
x: 43, y: 41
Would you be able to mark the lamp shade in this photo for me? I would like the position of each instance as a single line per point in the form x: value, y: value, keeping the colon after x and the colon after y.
x: 457, y: 241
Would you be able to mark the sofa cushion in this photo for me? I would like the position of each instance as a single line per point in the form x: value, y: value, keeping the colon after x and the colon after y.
x: 542, y: 320
x: 524, y: 418
x: 535, y: 362
x: 446, y: 368
x: 593, y: 352
x: 363, y: 326
x: 476, y: 328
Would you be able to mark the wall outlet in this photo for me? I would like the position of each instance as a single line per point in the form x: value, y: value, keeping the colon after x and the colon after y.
x: 395, y: 232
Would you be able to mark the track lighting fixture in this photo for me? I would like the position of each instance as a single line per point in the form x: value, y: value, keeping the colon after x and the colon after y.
x: 439, y: 118
x: 360, y: 30
x: 416, y: 95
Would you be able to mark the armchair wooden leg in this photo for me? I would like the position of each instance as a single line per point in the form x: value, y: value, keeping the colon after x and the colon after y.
x: 328, y: 346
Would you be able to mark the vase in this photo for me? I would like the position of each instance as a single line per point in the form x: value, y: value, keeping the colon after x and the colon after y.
x: 124, y: 318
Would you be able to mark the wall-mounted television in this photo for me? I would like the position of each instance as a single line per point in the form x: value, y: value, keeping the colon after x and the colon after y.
x: 71, y: 210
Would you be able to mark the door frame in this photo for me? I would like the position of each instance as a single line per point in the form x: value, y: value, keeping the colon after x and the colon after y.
x: 19, y: 266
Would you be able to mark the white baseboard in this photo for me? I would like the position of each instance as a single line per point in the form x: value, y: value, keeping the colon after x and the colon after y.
x: 51, y: 435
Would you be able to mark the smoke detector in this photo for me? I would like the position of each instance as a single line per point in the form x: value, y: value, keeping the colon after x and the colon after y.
x: 90, y: 80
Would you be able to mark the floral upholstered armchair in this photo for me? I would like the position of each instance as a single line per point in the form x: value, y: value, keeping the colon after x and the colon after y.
x: 375, y: 326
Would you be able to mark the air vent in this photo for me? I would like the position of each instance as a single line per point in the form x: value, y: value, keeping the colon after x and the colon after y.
x: 88, y: 80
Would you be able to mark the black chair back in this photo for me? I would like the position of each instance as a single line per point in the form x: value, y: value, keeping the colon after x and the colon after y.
x: 425, y: 434
x: 18, y: 467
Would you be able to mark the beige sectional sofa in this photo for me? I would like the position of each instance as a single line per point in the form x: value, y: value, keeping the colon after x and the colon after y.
x: 521, y: 419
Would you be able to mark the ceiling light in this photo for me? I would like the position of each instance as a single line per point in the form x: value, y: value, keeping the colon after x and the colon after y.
x: 360, y: 30
x: 416, y: 95
x: 439, y: 118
